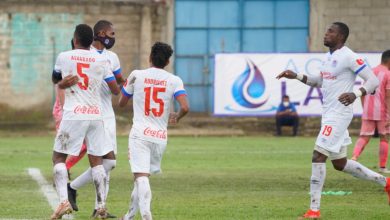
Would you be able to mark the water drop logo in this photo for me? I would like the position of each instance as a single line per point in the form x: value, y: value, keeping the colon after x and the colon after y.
x: 249, y: 88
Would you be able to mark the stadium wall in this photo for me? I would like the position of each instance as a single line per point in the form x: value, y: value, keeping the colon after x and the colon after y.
x: 32, y: 34
x: 367, y: 19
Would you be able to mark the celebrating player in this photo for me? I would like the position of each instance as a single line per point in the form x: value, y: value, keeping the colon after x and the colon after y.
x: 153, y: 90
x: 104, y: 39
x: 376, y: 112
x: 82, y: 119
x: 337, y: 78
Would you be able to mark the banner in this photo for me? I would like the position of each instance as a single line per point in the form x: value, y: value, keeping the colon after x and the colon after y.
x: 245, y: 84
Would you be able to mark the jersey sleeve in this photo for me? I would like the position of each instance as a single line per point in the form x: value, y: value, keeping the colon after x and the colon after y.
x: 357, y: 64
x: 128, y: 87
x: 108, y: 75
x: 179, y: 88
x: 115, y: 65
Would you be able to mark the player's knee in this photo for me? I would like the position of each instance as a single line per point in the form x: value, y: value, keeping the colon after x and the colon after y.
x: 109, y: 164
x: 384, y: 138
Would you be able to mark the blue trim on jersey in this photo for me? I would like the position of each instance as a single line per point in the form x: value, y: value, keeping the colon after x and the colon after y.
x: 180, y: 92
x: 112, y: 78
x: 118, y: 71
x: 125, y: 93
x: 100, y: 51
x: 360, y: 69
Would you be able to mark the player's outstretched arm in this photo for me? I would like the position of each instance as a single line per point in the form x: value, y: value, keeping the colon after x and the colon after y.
x: 68, y: 81
x: 174, y: 117
x: 310, y: 81
x: 113, y: 87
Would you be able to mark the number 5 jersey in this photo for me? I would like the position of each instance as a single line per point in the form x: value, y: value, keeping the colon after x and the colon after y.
x: 153, y: 91
x: 83, y: 101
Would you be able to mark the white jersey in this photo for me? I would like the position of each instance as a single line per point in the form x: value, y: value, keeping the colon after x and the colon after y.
x: 153, y: 92
x: 82, y: 101
x: 105, y: 92
x: 338, y: 73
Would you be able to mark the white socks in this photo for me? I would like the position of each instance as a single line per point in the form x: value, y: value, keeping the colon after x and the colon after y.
x: 108, y: 166
x: 61, y: 179
x: 144, y: 197
x: 318, y: 174
x: 133, y: 209
x: 99, y: 179
x: 359, y: 171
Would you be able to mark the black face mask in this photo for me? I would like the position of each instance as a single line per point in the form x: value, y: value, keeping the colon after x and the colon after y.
x: 107, y: 41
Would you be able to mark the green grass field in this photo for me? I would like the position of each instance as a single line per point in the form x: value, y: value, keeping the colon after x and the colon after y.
x: 236, y: 178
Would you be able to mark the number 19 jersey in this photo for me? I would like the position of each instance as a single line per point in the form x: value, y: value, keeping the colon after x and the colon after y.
x: 153, y: 91
x: 82, y: 101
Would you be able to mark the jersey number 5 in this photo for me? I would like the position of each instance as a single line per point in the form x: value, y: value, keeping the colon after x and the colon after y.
x: 152, y: 93
x: 84, y: 84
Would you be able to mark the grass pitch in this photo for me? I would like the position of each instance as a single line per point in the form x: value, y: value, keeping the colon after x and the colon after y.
x: 238, y: 178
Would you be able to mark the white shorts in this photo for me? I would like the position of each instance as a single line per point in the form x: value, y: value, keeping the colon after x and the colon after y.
x: 334, y: 134
x: 72, y: 133
x: 145, y: 156
x: 110, y: 129
x: 332, y: 155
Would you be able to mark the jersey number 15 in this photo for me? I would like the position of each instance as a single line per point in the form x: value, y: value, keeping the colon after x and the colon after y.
x: 152, y: 93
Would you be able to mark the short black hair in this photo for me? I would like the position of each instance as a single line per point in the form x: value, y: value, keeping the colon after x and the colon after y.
x: 101, y: 25
x: 84, y: 35
x: 343, y: 29
x: 286, y: 97
x: 385, y: 56
x: 160, y: 54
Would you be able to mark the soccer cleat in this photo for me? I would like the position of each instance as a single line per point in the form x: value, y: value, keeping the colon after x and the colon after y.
x: 310, y: 214
x: 62, y: 209
x: 107, y: 215
x: 72, y: 198
x: 387, y: 188
x: 383, y: 170
x: 100, y: 213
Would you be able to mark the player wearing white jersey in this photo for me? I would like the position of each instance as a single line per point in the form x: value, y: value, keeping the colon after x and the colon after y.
x: 104, y: 39
x: 153, y: 91
x: 82, y: 118
x: 337, y: 78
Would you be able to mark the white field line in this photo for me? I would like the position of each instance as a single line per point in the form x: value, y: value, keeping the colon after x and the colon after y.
x: 47, y: 189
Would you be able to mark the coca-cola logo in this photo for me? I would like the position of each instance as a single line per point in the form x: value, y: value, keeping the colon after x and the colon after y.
x: 90, y: 110
x: 162, y: 134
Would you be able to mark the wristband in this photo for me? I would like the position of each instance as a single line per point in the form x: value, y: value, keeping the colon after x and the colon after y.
x: 358, y: 93
x: 299, y: 76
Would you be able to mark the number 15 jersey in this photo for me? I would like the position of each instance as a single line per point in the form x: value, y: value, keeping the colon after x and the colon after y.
x: 82, y: 101
x: 153, y: 91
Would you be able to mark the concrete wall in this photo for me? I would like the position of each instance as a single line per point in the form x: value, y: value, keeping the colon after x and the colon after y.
x: 368, y: 21
x: 32, y: 33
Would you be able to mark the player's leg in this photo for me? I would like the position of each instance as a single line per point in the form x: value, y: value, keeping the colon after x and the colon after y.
x: 383, y: 131
x: 317, y: 179
x: 109, y: 160
x: 95, y: 140
x: 73, y: 160
x: 366, y: 131
x: 67, y: 141
x: 141, y: 197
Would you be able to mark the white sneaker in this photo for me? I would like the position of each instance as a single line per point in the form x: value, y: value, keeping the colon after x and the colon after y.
x: 384, y: 170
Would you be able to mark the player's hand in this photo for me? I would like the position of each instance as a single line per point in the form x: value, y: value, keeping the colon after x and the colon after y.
x: 347, y: 98
x: 287, y: 74
x: 173, y: 118
x: 68, y: 81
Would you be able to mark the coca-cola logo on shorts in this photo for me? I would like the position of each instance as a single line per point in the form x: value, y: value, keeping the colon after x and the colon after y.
x: 90, y: 110
x: 162, y: 134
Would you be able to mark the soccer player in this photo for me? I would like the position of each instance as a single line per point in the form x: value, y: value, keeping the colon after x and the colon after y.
x: 337, y: 78
x: 376, y: 112
x: 153, y: 91
x: 82, y: 119
x: 104, y: 39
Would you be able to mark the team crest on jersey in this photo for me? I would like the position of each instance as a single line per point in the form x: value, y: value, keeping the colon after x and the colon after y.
x: 360, y: 61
